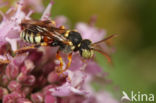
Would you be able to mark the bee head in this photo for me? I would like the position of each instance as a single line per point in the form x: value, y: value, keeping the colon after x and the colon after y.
x: 85, y: 49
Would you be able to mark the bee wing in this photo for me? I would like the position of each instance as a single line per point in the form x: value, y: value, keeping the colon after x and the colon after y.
x: 49, y: 32
x: 46, y: 28
x: 36, y: 22
x: 53, y: 32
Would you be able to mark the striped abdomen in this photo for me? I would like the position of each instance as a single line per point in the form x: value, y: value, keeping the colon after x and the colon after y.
x: 31, y: 37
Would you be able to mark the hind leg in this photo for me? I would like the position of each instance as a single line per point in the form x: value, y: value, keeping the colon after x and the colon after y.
x: 4, y: 61
x: 60, y: 68
x: 7, y: 61
x: 69, y: 62
x: 24, y: 49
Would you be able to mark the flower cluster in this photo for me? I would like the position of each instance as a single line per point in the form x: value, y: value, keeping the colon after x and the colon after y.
x: 31, y: 77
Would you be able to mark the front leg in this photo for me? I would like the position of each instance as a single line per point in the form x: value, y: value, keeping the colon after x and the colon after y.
x: 69, y: 62
x: 60, y: 68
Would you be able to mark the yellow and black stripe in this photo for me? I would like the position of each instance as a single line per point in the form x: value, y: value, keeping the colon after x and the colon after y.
x: 31, y: 37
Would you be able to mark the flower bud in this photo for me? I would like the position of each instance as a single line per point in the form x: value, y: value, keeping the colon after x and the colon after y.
x: 3, y: 91
x: 11, y: 72
x: 37, y: 98
x: 30, y: 80
x: 14, y: 85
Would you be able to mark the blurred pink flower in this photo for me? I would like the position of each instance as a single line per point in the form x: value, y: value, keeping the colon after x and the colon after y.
x: 72, y: 86
x: 61, y: 20
x: 37, y: 5
x: 90, y: 32
x: 31, y: 77
x: 3, y: 3
x: 9, y: 27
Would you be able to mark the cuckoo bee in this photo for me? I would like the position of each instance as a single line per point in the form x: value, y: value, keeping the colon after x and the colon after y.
x: 45, y: 33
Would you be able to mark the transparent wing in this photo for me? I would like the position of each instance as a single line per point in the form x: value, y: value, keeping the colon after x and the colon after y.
x: 45, y: 28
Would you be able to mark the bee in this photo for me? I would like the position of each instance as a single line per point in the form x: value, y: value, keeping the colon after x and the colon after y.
x: 45, y: 33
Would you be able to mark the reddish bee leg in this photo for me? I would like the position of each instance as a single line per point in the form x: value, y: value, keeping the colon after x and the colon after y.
x: 4, y: 61
x: 24, y: 49
x: 60, y: 68
x: 69, y: 62
x: 7, y: 61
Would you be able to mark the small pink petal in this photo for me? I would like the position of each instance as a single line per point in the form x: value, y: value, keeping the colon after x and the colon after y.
x: 93, y: 68
x: 46, y: 13
x: 19, y: 15
x: 66, y: 90
x: 37, y: 5
x: 76, y: 62
x: 29, y: 65
x: 13, y: 42
x: 90, y: 32
x: 2, y: 4
x: 10, y: 27
x: 29, y: 14
x: 61, y: 20
x: 105, y: 97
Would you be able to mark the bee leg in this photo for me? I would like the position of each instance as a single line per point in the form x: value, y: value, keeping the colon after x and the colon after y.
x: 7, y: 61
x: 24, y: 49
x: 4, y: 61
x: 62, y: 27
x: 60, y: 68
x: 69, y: 62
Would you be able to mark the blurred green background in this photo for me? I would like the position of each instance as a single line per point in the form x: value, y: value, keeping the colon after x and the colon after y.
x: 135, y: 23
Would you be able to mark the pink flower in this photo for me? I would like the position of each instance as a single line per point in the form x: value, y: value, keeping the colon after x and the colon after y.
x: 105, y: 97
x: 2, y: 4
x: 90, y: 32
x: 9, y: 27
x: 37, y: 5
x: 61, y: 20
x: 46, y: 13
x: 66, y: 90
